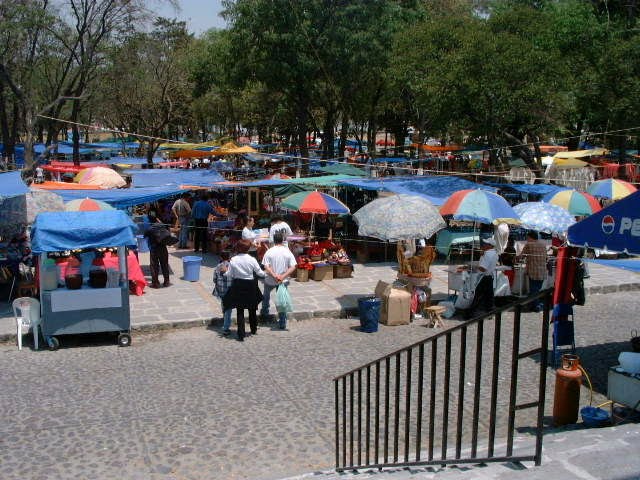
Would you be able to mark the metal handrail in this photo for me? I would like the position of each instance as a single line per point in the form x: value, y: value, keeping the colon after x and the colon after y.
x: 450, y: 330
x: 386, y: 415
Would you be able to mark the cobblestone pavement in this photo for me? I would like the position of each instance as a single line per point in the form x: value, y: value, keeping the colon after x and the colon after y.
x: 191, y: 303
x: 191, y: 404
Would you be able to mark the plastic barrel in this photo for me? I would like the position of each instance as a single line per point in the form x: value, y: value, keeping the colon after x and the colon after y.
x: 191, y: 266
x: 369, y: 309
x: 143, y: 244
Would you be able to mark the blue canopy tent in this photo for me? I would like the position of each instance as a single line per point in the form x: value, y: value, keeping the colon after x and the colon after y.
x: 171, y: 177
x: 615, y: 228
x: 11, y: 185
x: 13, y: 200
x: 60, y: 231
x: 436, y: 189
x: 122, y: 197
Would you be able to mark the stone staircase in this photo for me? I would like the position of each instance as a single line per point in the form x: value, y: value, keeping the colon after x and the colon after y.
x: 611, y: 453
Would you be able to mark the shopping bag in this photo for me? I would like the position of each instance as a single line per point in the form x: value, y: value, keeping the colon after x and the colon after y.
x: 283, y: 300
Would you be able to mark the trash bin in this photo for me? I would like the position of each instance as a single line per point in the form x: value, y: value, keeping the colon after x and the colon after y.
x: 369, y: 309
x: 143, y: 244
x: 191, y: 267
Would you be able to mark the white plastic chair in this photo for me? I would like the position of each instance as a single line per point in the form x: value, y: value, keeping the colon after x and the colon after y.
x: 26, y: 311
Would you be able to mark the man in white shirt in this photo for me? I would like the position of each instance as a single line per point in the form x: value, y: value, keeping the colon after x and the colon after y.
x: 483, y: 297
x: 278, y: 263
x: 279, y: 225
x: 182, y: 211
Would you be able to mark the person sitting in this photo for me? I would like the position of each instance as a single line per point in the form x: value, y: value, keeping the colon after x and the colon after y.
x: 483, y: 296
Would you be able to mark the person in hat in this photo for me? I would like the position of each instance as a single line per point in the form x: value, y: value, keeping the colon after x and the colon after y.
x: 483, y: 297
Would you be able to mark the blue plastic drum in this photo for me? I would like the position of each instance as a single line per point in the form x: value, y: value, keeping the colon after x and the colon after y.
x: 369, y: 310
x: 191, y: 267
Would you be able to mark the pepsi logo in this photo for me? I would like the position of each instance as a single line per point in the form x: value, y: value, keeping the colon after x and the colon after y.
x: 608, y: 224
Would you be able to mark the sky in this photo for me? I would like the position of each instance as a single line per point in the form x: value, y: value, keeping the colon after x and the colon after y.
x: 200, y: 15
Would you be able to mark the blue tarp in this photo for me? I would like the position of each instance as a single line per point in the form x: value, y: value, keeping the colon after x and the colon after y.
x: 615, y: 228
x: 11, y: 185
x: 122, y: 197
x: 173, y: 177
x: 632, y: 265
x: 436, y: 189
x: 537, y: 189
x: 60, y: 231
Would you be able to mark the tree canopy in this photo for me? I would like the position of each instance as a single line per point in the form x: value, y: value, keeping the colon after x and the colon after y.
x: 497, y: 72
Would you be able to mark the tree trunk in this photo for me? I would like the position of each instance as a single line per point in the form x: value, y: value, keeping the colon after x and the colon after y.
x: 5, y: 134
x: 75, y: 113
x: 150, y: 151
x: 302, y: 117
x: 29, y: 119
x: 328, y: 139
x: 344, y: 131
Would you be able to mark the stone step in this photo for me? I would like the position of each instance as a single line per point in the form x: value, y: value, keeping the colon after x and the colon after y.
x: 573, y: 453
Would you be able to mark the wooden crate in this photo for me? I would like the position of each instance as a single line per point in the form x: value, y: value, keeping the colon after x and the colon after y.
x: 302, y: 275
x: 324, y: 272
x: 342, y: 271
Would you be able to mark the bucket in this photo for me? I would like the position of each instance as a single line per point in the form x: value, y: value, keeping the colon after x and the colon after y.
x: 594, y: 416
x: 369, y: 310
x: 191, y: 268
x: 143, y: 244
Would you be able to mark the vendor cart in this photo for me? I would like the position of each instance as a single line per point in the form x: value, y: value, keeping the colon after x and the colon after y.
x: 86, y: 309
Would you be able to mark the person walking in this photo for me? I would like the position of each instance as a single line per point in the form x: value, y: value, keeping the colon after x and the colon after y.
x: 279, y: 225
x: 200, y: 214
x: 483, y: 297
x: 221, y: 285
x: 249, y: 234
x: 535, y: 254
x: 279, y: 263
x: 243, y: 292
x: 158, y: 254
x: 182, y: 212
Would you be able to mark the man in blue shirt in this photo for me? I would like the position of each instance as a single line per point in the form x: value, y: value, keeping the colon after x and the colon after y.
x: 200, y: 214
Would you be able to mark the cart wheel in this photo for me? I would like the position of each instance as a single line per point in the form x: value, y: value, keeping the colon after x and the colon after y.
x: 53, y: 343
x: 124, y: 340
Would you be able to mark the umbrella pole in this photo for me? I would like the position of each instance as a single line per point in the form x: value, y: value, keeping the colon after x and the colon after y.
x: 312, y: 230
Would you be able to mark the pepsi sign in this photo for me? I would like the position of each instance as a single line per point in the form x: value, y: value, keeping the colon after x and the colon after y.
x: 608, y: 224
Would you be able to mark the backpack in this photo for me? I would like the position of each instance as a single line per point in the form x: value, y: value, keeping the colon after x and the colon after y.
x: 160, y: 235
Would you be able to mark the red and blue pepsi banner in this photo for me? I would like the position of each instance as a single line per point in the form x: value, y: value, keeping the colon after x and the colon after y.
x: 615, y: 228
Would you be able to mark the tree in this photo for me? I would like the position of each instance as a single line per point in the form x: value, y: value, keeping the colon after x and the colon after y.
x: 146, y: 88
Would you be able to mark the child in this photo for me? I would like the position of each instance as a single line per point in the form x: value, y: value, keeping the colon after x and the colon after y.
x: 221, y: 284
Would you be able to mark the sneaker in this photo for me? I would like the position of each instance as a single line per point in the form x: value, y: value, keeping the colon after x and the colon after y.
x: 226, y: 333
x: 155, y: 285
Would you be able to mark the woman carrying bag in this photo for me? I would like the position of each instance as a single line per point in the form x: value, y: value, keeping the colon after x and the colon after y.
x: 243, y: 292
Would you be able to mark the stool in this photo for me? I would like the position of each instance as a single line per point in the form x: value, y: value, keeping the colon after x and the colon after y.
x: 434, y: 319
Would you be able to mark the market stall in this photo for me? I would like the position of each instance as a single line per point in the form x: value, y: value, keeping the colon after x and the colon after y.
x: 81, y: 303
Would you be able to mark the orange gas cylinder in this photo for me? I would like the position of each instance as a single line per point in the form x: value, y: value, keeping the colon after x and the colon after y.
x: 566, y: 400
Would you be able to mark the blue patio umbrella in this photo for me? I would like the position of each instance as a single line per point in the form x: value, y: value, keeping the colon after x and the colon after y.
x: 544, y: 217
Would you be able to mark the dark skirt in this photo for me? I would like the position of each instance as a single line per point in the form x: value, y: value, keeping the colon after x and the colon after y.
x: 242, y: 294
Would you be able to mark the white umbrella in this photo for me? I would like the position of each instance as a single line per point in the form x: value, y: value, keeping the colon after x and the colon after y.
x: 399, y: 217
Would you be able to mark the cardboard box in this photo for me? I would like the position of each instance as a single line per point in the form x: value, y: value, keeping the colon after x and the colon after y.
x: 324, y: 272
x: 396, y: 304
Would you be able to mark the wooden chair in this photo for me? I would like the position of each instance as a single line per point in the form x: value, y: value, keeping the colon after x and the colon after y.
x: 418, y: 264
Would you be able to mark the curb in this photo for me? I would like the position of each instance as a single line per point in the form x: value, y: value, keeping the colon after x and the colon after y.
x: 350, y: 312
